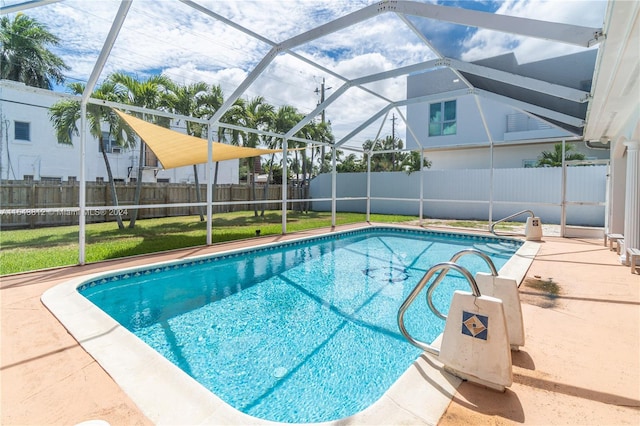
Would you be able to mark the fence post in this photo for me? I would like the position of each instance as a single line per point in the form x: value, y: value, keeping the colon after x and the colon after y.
x: 32, y: 205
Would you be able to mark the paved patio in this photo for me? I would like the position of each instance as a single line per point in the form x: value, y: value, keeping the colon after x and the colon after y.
x: 580, y: 363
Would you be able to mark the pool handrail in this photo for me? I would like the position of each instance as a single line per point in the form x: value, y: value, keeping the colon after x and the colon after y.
x: 418, y: 288
x: 443, y: 274
x: 493, y: 225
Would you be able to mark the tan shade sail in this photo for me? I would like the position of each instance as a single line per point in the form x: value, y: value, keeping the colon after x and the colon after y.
x: 175, y: 149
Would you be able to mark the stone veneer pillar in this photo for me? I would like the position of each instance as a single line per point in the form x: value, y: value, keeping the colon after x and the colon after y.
x: 632, y: 199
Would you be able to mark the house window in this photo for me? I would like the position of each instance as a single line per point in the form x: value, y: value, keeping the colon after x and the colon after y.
x: 527, y: 164
x: 110, y: 144
x: 22, y: 131
x: 442, y: 118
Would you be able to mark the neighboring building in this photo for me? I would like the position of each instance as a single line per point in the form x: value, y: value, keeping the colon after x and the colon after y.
x: 452, y: 129
x: 29, y: 149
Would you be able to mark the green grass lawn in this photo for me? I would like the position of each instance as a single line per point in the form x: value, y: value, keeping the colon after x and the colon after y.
x: 33, y: 249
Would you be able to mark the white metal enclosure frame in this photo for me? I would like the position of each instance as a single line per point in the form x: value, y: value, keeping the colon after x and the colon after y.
x: 556, y: 32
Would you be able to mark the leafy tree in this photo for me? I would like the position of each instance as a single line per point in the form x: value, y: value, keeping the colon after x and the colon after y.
x: 144, y: 93
x: 233, y: 115
x: 323, y: 133
x: 388, y: 161
x: 411, y: 162
x: 257, y: 115
x: 554, y: 158
x: 24, y: 55
x: 284, y: 119
x: 65, y: 115
x: 350, y: 164
x: 188, y: 100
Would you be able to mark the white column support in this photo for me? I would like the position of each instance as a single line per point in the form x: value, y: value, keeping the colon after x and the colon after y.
x: 632, y: 199
x: 334, y: 178
x: 368, y: 219
x: 82, y: 196
x: 209, y: 186
x: 563, y: 202
x: 488, y: 132
x: 421, y: 186
x: 15, y: 8
x: 88, y: 89
x: 285, y: 173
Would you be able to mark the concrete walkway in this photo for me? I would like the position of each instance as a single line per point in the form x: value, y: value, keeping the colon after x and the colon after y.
x: 580, y: 364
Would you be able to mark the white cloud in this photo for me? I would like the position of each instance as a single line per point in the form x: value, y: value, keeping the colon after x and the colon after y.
x: 189, y: 46
x: 486, y: 43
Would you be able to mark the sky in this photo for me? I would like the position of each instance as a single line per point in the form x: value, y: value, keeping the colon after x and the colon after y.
x: 172, y: 38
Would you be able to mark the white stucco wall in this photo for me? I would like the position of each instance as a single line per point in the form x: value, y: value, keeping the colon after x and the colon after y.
x: 511, y: 156
x: 571, y: 70
x: 43, y: 156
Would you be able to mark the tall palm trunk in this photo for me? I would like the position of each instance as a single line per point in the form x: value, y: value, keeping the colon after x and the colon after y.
x: 198, y: 194
x: 112, y: 184
x: 136, y: 197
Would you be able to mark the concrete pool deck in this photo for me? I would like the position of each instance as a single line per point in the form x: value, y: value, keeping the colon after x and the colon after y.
x: 580, y: 363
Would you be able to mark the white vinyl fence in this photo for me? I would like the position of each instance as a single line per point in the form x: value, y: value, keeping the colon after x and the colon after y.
x: 465, y: 194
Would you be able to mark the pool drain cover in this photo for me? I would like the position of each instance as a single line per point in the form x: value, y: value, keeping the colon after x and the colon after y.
x: 279, y: 372
x: 387, y: 275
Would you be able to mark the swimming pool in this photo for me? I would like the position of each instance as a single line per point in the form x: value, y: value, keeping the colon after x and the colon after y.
x: 390, y: 270
x: 301, y: 332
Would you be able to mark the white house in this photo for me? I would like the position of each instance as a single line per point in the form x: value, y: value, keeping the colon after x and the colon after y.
x: 29, y: 148
x: 458, y: 127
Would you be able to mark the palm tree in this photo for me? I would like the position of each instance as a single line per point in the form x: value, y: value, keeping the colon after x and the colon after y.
x: 554, y: 159
x: 25, y: 57
x: 188, y: 100
x: 386, y: 162
x: 65, y: 115
x: 257, y: 115
x: 147, y: 94
x: 411, y: 162
x: 284, y: 119
x: 322, y: 133
x: 350, y: 164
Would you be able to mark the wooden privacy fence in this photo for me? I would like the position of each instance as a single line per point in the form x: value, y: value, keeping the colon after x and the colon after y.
x: 61, y: 198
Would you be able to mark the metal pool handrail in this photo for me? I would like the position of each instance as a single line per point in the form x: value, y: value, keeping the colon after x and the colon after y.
x: 443, y: 274
x: 418, y: 288
x: 493, y: 225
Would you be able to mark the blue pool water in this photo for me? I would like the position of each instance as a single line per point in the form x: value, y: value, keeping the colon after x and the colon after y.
x: 300, y: 332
